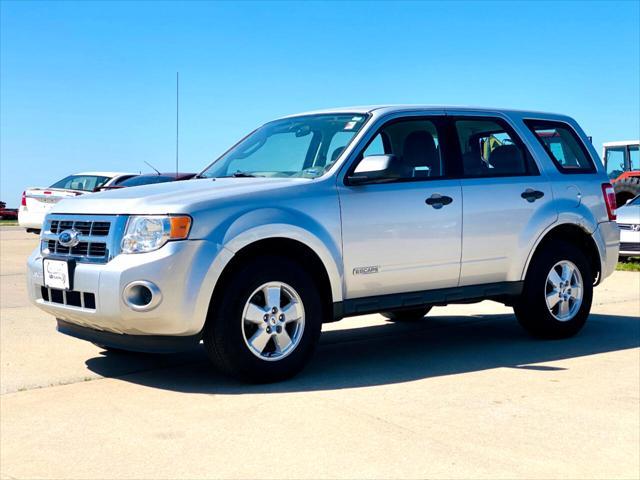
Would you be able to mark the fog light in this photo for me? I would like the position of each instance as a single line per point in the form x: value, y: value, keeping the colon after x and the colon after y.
x: 142, y: 295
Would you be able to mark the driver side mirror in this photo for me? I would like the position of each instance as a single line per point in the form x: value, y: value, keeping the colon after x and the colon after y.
x: 374, y: 169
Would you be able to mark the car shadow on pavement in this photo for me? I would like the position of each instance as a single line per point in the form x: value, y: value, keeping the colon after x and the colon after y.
x: 385, y: 354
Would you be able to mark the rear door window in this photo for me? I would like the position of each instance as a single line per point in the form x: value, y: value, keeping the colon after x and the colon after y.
x: 490, y: 148
x: 563, y: 146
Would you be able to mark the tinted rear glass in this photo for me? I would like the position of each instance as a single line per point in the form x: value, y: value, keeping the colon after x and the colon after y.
x: 146, y: 180
x: 563, y: 146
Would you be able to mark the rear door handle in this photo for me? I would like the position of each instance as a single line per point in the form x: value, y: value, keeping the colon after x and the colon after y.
x: 531, y: 195
x: 438, y: 201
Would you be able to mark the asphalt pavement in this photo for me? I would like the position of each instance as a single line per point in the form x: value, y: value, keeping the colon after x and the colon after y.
x: 465, y: 393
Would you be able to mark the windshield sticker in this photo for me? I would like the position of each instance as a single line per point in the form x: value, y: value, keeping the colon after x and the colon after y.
x: 350, y: 125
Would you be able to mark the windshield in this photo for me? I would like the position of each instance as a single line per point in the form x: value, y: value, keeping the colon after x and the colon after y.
x: 304, y: 146
x: 86, y: 183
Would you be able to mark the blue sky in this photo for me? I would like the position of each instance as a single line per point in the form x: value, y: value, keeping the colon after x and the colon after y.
x: 91, y: 86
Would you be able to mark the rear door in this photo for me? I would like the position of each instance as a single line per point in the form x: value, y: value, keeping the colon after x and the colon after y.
x: 505, y: 199
x: 403, y: 235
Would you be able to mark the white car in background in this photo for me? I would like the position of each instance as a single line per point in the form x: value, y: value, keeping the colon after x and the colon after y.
x: 37, y: 201
x: 629, y: 223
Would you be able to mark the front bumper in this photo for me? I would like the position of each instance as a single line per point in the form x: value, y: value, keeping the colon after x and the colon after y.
x: 135, y: 343
x: 183, y: 271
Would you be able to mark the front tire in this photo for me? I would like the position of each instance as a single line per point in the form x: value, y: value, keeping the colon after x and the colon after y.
x: 265, y: 323
x: 558, y: 290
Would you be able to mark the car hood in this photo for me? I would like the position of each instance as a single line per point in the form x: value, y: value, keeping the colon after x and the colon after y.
x: 628, y: 214
x: 171, y: 197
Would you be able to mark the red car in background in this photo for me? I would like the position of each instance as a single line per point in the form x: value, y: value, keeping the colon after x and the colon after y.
x: 8, y: 213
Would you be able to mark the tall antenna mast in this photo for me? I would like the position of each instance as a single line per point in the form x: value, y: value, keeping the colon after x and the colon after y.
x: 177, y: 118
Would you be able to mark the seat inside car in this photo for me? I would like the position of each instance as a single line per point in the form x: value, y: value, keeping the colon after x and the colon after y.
x: 334, y: 156
x: 420, y: 156
x: 472, y: 160
x: 507, y: 159
x: 336, y: 153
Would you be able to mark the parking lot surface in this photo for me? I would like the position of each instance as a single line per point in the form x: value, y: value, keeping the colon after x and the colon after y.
x: 465, y: 393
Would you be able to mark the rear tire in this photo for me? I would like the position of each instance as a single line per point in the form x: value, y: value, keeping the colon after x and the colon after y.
x: 558, y: 290
x: 406, y: 314
x: 252, y: 332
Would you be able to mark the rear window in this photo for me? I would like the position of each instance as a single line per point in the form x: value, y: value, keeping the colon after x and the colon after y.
x: 85, y: 183
x: 563, y: 146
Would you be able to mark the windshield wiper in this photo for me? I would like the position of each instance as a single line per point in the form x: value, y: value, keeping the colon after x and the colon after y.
x: 240, y: 174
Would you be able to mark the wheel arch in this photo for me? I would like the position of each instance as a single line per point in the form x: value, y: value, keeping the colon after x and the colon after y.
x: 317, y: 259
x: 576, y: 235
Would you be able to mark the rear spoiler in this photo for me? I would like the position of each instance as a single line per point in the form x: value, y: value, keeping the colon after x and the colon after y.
x: 37, y: 192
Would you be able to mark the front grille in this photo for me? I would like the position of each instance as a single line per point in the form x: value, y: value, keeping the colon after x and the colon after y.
x: 629, y: 247
x: 98, y: 229
x: 70, y: 297
x: 98, y: 236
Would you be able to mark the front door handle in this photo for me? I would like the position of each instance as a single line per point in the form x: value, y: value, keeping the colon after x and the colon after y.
x: 531, y: 195
x: 438, y: 201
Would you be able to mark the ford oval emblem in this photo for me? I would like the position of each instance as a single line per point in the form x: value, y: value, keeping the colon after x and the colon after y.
x: 69, y: 238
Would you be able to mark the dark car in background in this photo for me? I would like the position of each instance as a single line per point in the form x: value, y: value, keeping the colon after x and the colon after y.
x: 8, y: 213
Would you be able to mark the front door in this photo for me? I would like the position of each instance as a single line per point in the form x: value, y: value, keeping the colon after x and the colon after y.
x: 403, y: 235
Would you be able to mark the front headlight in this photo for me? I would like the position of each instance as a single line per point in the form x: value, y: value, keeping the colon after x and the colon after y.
x: 149, y: 233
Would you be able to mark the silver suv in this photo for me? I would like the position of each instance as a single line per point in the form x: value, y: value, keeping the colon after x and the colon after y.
x: 330, y: 214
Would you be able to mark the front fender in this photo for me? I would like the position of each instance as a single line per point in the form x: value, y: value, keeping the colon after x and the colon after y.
x: 293, y: 225
x: 265, y: 223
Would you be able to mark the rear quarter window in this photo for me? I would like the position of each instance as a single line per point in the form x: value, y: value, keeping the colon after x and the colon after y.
x: 563, y: 146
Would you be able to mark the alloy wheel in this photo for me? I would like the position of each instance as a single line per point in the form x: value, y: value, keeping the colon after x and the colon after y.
x: 564, y: 290
x: 273, y: 321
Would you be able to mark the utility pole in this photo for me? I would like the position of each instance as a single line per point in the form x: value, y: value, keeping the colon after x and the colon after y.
x: 177, y: 117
